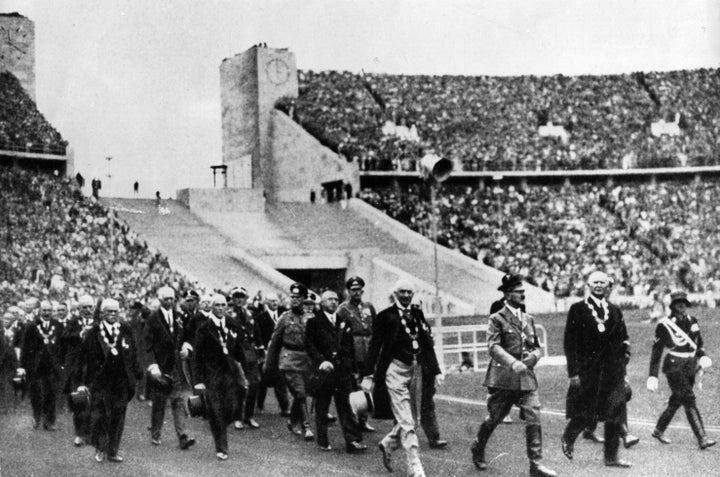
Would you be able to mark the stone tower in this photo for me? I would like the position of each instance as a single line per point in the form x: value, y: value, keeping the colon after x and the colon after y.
x: 17, y: 49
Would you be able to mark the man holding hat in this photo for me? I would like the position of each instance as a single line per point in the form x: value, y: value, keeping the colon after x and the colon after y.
x: 597, y: 348
x: 163, y: 340
x: 359, y: 316
x: 288, y: 355
x: 680, y: 334
x: 514, y: 351
x: 108, y: 370
x: 401, y: 351
x: 76, y: 330
x: 252, y: 346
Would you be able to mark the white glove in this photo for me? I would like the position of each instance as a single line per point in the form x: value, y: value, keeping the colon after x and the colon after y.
x: 154, y: 370
x: 82, y: 388
x: 652, y: 384
x: 200, y: 387
x: 439, y: 380
x: 518, y: 367
x: 326, y: 366
x: 705, y: 362
x: 185, y: 350
x: 21, y: 371
x: 366, y: 384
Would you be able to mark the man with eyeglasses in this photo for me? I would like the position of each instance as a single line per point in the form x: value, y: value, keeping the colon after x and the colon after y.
x: 108, y: 370
x: 78, y: 327
x: 514, y: 351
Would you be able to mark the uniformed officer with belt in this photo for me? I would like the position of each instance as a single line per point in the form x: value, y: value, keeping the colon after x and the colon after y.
x: 514, y: 351
x: 359, y: 316
x: 680, y: 334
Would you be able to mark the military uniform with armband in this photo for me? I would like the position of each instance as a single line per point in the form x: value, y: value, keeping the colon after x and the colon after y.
x: 680, y: 334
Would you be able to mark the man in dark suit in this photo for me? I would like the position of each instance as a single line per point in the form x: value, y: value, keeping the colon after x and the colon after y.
x: 514, y: 351
x: 199, y: 318
x: 597, y: 349
x: 218, y: 355
x: 329, y: 344
x: 164, y: 336
x: 76, y: 330
x: 41, y: 359
x: 108, y: 370
x: 8, y: 362
x: 267, y: 320
x: 401, y: 347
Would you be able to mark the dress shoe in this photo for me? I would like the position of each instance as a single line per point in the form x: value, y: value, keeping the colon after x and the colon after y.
x: 386, y: 457
x: 155, y: 441
x: 252, y: 423
x: 477, y: 456
x: 326, y: 448
x: 99, y: 456
x: 591, y: 436
x: 238, y: 425
x: 114, y: 458
x: 186, y: 442
x: 539, y: 470
x: 367, y: 428
x: 438, y: 444
x: 79, y: 441
x: 623, y: 464
x: 293, y: 429
x: 567, y: 449
x: 50, y: 427
x: 705, y: 443
x: 630, y: 440
x: 331, y: 419
x: 659, y: 436
x: 355, y: 447
x: 507, y: 420
x: 309, y: 435
x: 222, y: 456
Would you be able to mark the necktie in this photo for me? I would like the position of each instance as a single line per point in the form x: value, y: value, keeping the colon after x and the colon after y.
x: 170, y: 321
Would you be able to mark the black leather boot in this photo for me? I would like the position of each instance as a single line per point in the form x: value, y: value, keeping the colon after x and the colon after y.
x: 533, y: 436
x: 478, y: 447
x: 693, y: 417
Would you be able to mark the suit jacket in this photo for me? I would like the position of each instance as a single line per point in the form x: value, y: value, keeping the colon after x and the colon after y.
x: 325, y: 342
x: 248, y: 335
x: 92, y: 371
x: 380, y: 354
x: 266, y: 325
x: 210, y: 364
x: 8, y: 360
x: 194, y: 324
x: 511, y: 338
x: 33, y: 345
x: 162, y: 346
x: 72, y: 339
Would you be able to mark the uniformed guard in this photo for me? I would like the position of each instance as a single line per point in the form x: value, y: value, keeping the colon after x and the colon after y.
x: 680, y: 334
x: 514, y: 351
x: 359, y: 316
x: 286, y: 353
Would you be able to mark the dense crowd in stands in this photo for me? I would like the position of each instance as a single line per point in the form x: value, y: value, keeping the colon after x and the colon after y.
x: 57, y: 244
x: 22, y: 126
x: 491, y: 123
x: 649, y: 238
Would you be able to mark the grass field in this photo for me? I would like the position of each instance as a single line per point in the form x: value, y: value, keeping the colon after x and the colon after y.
x: 271, y: 451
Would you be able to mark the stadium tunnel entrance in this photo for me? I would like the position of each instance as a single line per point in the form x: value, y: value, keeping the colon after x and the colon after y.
x: 319, y: 279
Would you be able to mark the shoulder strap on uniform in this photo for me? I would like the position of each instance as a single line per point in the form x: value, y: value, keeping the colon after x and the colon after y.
x: 676, y: 332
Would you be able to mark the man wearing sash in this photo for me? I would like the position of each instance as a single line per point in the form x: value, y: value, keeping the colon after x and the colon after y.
x: 597, y: 349
x: 680, y: 334
x: 514, y: 351
x: 41, y: 359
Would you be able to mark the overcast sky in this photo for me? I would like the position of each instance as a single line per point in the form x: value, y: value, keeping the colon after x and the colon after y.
x: 138, y: 80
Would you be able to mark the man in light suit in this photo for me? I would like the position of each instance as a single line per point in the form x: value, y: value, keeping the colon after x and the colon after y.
x: 514, y: 351
x: 164, y: 336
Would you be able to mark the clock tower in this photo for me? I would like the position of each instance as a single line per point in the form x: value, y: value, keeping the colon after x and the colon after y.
x: 17, y: 49
x: 250, y: 85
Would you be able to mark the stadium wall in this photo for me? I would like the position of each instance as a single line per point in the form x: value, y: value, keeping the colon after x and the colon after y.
x: 222, y: 200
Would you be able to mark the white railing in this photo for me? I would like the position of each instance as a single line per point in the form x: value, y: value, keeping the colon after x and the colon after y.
x: 472, y: 339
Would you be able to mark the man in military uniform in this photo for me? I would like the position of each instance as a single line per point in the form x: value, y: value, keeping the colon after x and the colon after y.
x: 267, y: 321
x: 359, y: 316
x: 252, y: 345
x: 680, y: 334
x: 287, y: 354
x: 597, y: 349
x: 514, y: 351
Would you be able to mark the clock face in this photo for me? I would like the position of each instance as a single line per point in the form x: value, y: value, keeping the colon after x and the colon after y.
x: 277, y: 71
x: 14, y: 42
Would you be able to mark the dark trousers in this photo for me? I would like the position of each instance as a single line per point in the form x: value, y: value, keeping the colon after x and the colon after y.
x: 338, y: 391
x: 224, y: 402
x: 681, y: 386
x: 252, y: 374
x: 43, y: 397
x: 281, y: 393
x: 107, y: 414
x: 177, y: 405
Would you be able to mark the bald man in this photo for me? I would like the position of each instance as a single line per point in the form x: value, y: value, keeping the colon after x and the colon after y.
x: 108, y: 370
x: 41, y: 360
x: 597, y: 348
